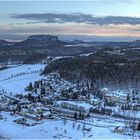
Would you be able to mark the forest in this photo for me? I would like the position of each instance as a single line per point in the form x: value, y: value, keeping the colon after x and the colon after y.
x: 103, y: 69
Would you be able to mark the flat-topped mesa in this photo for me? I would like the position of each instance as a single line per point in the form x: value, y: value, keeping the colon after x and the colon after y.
x: 40, y: 41
x: 43, y: 38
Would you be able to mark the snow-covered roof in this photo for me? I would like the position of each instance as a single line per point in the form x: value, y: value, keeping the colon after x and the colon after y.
x: 94, y: 99
x: 82, y: 104
x: 46, y: 113
x: 104, y: 89
x: 116, y: 93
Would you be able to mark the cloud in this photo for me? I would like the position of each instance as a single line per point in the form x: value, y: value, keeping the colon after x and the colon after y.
x: 19, y: 32
x: 77, y: 18
x: 75, y: 29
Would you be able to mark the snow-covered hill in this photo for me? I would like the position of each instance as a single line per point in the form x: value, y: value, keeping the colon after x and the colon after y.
x: 17, y: 78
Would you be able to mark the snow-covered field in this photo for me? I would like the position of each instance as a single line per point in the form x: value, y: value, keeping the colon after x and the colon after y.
x: 50, y: 129
x: 17, y: 78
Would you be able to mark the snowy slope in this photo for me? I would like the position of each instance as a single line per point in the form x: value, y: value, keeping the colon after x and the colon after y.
x: 19, y: 69
x: 16, y: 79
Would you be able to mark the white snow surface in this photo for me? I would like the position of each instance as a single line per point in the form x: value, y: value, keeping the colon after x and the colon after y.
x: 82, y: 104
x: 51, y: 129
x: 17, y: 78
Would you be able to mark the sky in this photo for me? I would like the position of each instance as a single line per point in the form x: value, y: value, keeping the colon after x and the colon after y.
x: 113, y: 20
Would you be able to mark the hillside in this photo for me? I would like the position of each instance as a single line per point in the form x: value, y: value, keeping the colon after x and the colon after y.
x: 102, y: 69
x: 37, y: 47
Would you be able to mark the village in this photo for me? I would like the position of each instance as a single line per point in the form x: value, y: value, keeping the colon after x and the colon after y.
x: 53, y: 98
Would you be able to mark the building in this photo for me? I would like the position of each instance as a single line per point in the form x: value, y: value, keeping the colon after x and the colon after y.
x: 74, y: 106
x: 115, y: 96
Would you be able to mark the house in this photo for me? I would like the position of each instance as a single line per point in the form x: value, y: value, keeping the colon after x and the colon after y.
x: 136, y: 106
x: 47, y: 115
x: 94, y: 101
x: 121, y: 95
x: 21, y: 121
x: 118, y: 129
x: 74, y: 106
x: 102, y: 110
x: 1, y: 117
x: 32, y: 116
x: 113, y: 97
x: 81, y: 98
x: 47, y: 100
x: 137, y: 97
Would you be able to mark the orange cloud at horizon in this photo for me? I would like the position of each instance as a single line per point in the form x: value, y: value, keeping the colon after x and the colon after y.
x: 72, y: 28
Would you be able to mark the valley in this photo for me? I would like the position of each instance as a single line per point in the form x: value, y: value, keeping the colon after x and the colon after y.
x: 82, y: 91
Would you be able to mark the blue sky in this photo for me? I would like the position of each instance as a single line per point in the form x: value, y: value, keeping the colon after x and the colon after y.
x: 102, y: 18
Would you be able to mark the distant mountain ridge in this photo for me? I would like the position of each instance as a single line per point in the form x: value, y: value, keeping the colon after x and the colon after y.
x: 4, y: 42
x: 53, y: 41
x: 37, y: 47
